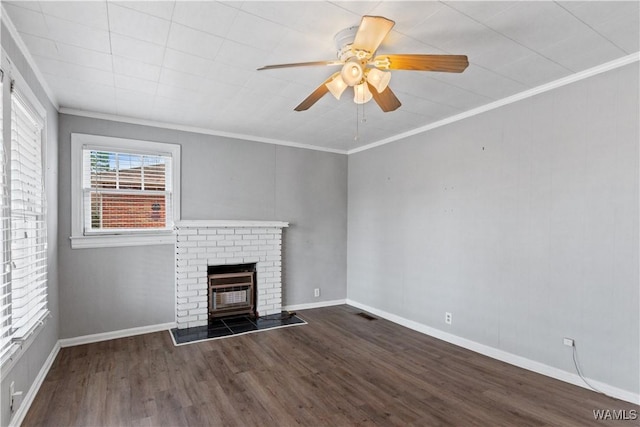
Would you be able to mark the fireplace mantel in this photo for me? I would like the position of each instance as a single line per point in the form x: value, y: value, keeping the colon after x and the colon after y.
x: 224, y: 223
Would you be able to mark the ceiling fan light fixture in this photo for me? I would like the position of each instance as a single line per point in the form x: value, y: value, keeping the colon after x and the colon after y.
x: 352, y: 72
x: 378, y: 79
x: 337, y: 86
x: 361, y: 93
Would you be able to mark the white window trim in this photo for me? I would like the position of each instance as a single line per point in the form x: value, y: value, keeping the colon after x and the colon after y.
x: 78, y: 238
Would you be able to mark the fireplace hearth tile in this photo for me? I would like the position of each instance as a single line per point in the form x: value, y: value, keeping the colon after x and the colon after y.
x: 237, y: 325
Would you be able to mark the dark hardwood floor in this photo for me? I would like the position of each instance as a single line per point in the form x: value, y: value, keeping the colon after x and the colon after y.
x: 339, y: 370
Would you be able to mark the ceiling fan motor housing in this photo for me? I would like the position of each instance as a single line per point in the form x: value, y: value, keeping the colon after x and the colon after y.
x: 344, y: 40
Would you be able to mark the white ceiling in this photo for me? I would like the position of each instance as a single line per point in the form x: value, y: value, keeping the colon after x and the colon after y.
x: 194, y: 63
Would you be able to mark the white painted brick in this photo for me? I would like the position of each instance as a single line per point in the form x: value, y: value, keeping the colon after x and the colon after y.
x: 227, y: 255
x: 214, y: 250
x: 187, y: 231
x: 240, y: 245
x: 189, y: 306
x: 196, y: 323
x: 187, y: 244
x: 196, y: 237
x: 187, y: 294
x: 207, y: 231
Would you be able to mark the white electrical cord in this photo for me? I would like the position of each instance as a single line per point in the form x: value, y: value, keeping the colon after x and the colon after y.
x: 577, y: 365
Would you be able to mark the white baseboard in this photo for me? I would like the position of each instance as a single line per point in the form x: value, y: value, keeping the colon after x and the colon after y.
x: 512, y: 359
x: 314, y: 305
x: 123, y: 333
x: 22, y: 410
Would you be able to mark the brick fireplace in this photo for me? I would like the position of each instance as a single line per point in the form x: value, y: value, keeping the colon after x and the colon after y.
x: 204, y: 244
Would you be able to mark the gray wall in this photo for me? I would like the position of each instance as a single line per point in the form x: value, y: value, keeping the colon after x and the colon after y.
x: 31, y: 361
x: 522, y: 222
x: 109, y: 289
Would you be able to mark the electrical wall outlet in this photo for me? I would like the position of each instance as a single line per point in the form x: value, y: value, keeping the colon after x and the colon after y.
x: 568, y: 342
x: 316, y: 292
x: 447, y: 318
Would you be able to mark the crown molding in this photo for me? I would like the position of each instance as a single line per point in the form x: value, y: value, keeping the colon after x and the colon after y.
x: 22, y: 47
x: 194, y: 129
x: 607, y: 66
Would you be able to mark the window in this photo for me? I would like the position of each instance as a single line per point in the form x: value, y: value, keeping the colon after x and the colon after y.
x: 125, y: 192
x: 23, y: 300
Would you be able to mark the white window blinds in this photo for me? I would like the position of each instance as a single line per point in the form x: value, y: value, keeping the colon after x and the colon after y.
x: 28, y: 267
x: 126, y: 191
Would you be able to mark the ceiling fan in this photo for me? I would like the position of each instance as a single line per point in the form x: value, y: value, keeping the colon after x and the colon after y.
x: 368, y: 74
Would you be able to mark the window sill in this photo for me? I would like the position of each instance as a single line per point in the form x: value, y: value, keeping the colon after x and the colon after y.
x: 111, y: 241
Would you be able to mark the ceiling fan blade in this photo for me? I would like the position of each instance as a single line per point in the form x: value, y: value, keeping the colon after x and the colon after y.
x: 315, y: 95
x: 371, y: 32
x: 444, y: 63
x: 387, y: 100
x: 301, y: 64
